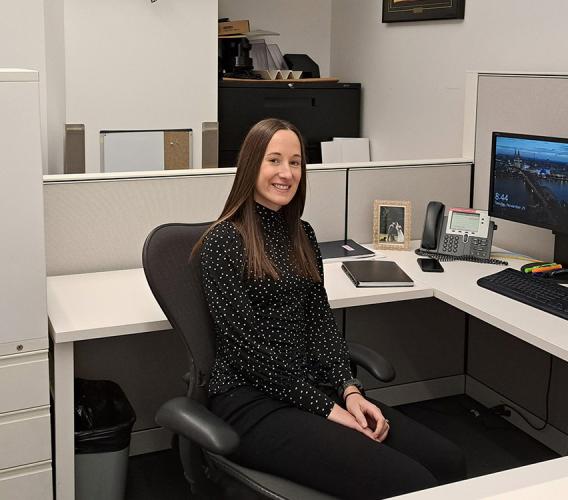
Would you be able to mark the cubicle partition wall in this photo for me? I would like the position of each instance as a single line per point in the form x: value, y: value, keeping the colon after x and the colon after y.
x: 100, y: 225
x: 518, y: 103
x: 448, y: 183
x: 501, y: 368
x: 428, y: 355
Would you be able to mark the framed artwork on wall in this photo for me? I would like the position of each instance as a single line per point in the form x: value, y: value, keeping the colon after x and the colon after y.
x: 391, y: 225
x: 395, y: 11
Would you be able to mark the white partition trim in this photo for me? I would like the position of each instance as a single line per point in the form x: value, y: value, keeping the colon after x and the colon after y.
x: 470, y: 115
x: 69, y: 178
x: 406, y: 165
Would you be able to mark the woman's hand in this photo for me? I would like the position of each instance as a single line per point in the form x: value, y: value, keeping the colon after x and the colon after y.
x: 343, y: 417
x: 367, y: 415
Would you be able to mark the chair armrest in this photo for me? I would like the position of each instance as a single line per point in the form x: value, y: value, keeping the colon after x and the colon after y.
x: 372, y: 361
x: 194, y: 421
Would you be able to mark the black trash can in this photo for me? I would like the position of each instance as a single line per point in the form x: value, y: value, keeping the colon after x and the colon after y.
x: 103, y: 423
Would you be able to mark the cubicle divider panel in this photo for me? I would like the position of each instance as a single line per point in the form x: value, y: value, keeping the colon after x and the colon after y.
x: 519, y: 372
x: 101, y: 225
x: 325, y: 203
x: 420, y: 184
x: 508, y: 365
x: 558, y: 400
x: 525, y: 104
x: 421, y: 347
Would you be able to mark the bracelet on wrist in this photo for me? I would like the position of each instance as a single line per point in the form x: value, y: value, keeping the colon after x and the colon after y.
x: 351, y: 394
x: 351, y: 382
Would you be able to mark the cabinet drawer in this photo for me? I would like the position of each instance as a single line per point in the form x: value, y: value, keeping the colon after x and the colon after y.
x: 31, y: 482
x: 24, y: 381
x: 24, y: 437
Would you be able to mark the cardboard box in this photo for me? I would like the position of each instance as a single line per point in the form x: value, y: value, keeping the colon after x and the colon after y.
x: 234, y: 27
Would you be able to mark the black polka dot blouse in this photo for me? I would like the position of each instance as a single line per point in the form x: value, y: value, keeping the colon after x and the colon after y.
x: 278, y: 336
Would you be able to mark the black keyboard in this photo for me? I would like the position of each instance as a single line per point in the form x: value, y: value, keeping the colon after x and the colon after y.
x: 537, y: 292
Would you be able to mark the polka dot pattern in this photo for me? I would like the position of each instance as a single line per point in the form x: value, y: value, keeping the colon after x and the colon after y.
x: 278, y: 336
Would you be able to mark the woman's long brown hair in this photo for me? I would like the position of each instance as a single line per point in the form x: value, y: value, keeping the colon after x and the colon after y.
x: 241, y: 211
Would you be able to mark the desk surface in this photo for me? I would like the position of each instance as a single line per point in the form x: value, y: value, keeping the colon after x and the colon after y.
x: 106, y: 304
x: 540, y: 481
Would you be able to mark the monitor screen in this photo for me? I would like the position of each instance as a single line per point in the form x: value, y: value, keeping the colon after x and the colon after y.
x: 529, y: 180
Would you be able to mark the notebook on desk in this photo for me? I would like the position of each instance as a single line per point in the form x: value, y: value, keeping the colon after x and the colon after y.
x: 376, y: 273
x: 340, y: 250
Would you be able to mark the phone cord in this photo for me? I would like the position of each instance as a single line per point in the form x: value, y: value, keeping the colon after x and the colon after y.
x: 467, y: 258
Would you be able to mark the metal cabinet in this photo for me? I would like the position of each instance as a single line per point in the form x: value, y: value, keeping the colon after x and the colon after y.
x: 320, y: 110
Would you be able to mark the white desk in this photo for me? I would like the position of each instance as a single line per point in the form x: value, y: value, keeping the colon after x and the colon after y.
x: 540, y: 481
x: 97, y: 305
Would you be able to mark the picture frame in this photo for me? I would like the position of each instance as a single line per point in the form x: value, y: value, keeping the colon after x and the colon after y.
x: 392, y: 228
x: 395, y: 11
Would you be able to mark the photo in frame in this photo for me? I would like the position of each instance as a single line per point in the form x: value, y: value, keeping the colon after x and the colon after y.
x: 392, y: 225
x: 395, y: 11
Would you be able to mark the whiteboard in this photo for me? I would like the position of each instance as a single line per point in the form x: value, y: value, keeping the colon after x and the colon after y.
x: 133, y: 150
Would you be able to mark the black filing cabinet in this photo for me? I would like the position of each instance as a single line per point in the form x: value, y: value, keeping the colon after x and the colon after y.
x: 320, y: 110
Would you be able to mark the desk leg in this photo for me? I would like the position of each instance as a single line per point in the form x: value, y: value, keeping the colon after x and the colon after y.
x: 63, y: 396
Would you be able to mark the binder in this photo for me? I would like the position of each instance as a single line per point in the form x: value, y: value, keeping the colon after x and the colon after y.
x: 376, y: 273
x: 341, y: 250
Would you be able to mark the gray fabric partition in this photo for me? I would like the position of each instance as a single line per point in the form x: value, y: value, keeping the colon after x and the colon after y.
x: 520, y: 104
x: 526, y: 104
x: 449, y: 184
x: 96, y: 226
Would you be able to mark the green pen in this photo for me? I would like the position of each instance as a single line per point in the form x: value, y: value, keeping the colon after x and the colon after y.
x: 542, y: 265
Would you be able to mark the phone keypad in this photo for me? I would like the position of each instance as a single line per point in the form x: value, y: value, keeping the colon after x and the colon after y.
x: 479, y: 246
x: 450, y: 243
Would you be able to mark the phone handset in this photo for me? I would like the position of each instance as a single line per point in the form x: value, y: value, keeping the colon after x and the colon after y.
x: 432, y: 225
x: 464, y: 232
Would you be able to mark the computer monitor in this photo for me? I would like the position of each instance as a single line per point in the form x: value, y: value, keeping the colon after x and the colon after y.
x: 529, y: 184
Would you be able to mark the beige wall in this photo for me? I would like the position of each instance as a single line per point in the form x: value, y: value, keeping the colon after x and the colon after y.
x: 139, y: 65
x: 22, y: 45
x: 413, y: 74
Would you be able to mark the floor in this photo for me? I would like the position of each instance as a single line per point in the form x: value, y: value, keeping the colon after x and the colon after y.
x: 156, y: 476
x: 489, y: 442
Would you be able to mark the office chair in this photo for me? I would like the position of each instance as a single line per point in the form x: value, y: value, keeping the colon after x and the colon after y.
x: 205, y: 441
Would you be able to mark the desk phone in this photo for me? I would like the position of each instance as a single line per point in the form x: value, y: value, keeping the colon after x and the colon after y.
x: 464, y: 232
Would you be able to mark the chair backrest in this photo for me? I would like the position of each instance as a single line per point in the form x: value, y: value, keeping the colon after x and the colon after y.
x: 175, y: 281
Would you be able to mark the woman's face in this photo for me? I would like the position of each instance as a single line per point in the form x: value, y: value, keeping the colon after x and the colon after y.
x: 280, y: 171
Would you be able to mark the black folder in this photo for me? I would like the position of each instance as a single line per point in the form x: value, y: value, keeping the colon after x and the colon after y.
x: 340, y: 250
x: 376, y: 273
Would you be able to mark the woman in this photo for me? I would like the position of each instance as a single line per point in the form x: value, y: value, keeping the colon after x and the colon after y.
x: 281, y: 375
x: 399, y: 233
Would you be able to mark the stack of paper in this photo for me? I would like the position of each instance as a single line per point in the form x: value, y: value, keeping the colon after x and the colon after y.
x: 345, y: 150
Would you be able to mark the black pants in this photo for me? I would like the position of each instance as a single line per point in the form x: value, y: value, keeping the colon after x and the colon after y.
x: 328, y: 457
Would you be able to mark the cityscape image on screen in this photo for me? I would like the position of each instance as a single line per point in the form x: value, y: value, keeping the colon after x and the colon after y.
x: 529, y: 180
